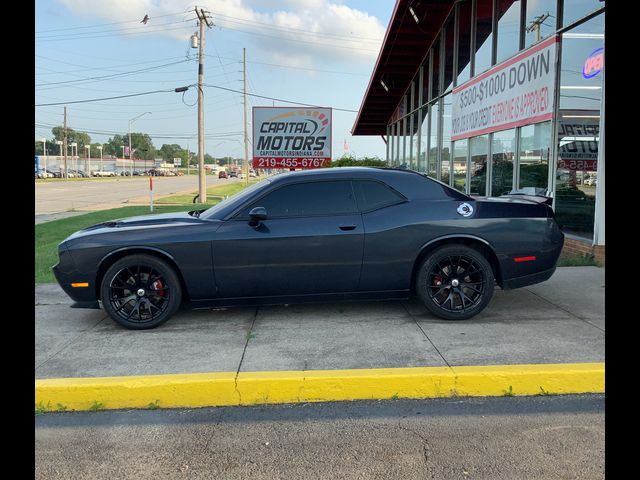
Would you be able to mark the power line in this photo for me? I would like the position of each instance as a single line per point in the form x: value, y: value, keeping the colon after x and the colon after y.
x: 112, y: 75
x: 277, y: 99
x: 301, y: 68
x: 105, y: 98
x: 319, y: 44
x: 146, y: 31
x: 153, y: 135
x: 112, y: 23
x: 351, y: 38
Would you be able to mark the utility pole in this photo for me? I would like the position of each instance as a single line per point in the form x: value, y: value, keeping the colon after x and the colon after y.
x: 188, y: 159
x: 202, y: 179
x: 246, y: 135
x: 66, y: 177
x: 535, y: 24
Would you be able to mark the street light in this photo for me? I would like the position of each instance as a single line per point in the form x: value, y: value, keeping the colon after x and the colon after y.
x: 44, y: 153
x: 130, y: 122
x: 74, y: 157
x: 99, y: 147
x: 87, y: 160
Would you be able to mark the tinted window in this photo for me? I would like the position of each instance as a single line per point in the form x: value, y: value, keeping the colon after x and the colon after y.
x: 372, y: 195
x: 305, y: 199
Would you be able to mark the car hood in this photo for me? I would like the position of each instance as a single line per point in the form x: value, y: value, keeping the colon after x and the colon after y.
x: 139, y: 222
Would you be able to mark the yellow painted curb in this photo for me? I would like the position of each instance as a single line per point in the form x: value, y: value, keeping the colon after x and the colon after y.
x: 255, y: 388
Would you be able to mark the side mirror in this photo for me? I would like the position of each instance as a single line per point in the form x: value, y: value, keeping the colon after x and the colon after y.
x: 257, y: 215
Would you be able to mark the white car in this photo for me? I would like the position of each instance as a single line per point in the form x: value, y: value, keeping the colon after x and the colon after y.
x: 103, y: 173
x: 591, y: 181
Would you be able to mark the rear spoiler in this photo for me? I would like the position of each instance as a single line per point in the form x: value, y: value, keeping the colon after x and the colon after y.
x: 532, y: 198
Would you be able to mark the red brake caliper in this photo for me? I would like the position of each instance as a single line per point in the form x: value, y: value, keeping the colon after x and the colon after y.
x: 157, y: 285
x: 437, y: 280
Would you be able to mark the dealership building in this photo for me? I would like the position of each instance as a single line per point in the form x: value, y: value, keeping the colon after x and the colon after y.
x: 494, y: 96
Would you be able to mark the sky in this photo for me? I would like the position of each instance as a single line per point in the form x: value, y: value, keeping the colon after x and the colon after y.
x: 318, y: 52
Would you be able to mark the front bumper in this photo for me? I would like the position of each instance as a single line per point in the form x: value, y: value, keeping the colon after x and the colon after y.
x: 66, y: 274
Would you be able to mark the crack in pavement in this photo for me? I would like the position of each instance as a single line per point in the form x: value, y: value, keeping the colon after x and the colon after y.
x: 566, y: 311
x: 425, y: 448
x: 425, y: 335
x: 77, y: 337
x: 249, y: 333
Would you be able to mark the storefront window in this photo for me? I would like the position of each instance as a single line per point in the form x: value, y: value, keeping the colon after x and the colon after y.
x: 447, y: 59
x: 445, y: 155
x: 464, y: 42
x: 484, y: 35
x: 435, y: 74
x: 390, y: 145
x: 433, y: 140
x: 424, y: 141
x: 578, y: 126
x: 479, y: 152
x: 540, y: 20
x: 508, y: 29
x: 425, y: 81
x: 535, y: 150
x: 576, y: 9
x: 398, y: 141
x: 405, y: 148
x: 503, y: 152
x: 460, y: 165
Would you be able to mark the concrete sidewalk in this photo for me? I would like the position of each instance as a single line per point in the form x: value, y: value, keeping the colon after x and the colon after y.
x: 560, y: 321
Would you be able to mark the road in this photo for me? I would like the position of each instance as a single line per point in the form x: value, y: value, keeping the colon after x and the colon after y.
x: 91, y: 194
x: 482, y: 438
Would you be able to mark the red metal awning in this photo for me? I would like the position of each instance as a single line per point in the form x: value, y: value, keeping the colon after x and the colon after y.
x: 405, y: 45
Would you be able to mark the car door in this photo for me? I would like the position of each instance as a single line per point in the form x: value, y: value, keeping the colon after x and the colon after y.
x: 310, y: 243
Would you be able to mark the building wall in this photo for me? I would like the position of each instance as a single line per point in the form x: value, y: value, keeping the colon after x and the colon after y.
x: 558, y: 157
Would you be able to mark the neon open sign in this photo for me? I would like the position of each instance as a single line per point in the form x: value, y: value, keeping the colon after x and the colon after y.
x: 593, y: 64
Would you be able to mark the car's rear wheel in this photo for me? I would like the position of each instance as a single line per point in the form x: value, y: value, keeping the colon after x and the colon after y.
x: 140, y: 291
x: 455, y: 282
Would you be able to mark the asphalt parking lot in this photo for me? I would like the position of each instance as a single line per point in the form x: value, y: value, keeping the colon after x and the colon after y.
x: 558, y: 321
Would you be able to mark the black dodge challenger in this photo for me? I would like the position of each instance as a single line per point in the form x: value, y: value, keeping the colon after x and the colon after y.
x: 315, y: 235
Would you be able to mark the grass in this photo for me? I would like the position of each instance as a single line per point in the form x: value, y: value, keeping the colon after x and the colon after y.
x: 96, y: 406
x: 577, y: 261
x: 214, y: 194
x: 50, y: 234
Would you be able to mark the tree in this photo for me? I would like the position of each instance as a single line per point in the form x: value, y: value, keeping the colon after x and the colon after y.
x: 208, y: 159
x: 114, y: 145
x: 142, y: 145
x: 347, y: 161
x: 81, y: 138
x: 169, y: 152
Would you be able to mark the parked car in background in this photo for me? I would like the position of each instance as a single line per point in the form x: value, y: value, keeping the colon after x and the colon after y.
x: 233, y: 174
x: 591, y: 181
x: 316, y: 235
x: 222, y: 174
x: 252, y: 174
x: 103, y: 173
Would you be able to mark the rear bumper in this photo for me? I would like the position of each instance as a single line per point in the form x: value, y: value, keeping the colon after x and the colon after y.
x: 531, y: 279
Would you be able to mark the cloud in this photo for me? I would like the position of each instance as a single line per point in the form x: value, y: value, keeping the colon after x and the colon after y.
x: 298, y: 32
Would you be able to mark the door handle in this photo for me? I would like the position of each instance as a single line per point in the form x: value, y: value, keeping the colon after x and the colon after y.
x: 347, y: 227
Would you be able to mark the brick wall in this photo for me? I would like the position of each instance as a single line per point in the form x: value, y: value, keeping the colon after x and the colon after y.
x: 578, y: 247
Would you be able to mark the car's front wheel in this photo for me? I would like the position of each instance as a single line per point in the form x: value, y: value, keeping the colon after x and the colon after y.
x: 140, y: 291
x: 455, y: 282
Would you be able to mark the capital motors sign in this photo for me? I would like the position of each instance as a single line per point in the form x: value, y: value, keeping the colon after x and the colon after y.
x: 285, y: 137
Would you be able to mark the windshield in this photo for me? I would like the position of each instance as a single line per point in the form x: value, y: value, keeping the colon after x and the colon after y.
x: 237, y: 198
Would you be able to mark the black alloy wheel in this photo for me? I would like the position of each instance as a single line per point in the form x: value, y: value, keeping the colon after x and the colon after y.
x: 455, y: 282
x: 140, y: 292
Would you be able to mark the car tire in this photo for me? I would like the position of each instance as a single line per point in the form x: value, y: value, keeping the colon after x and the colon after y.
x: 455, y: 282
x: 140, y: 291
